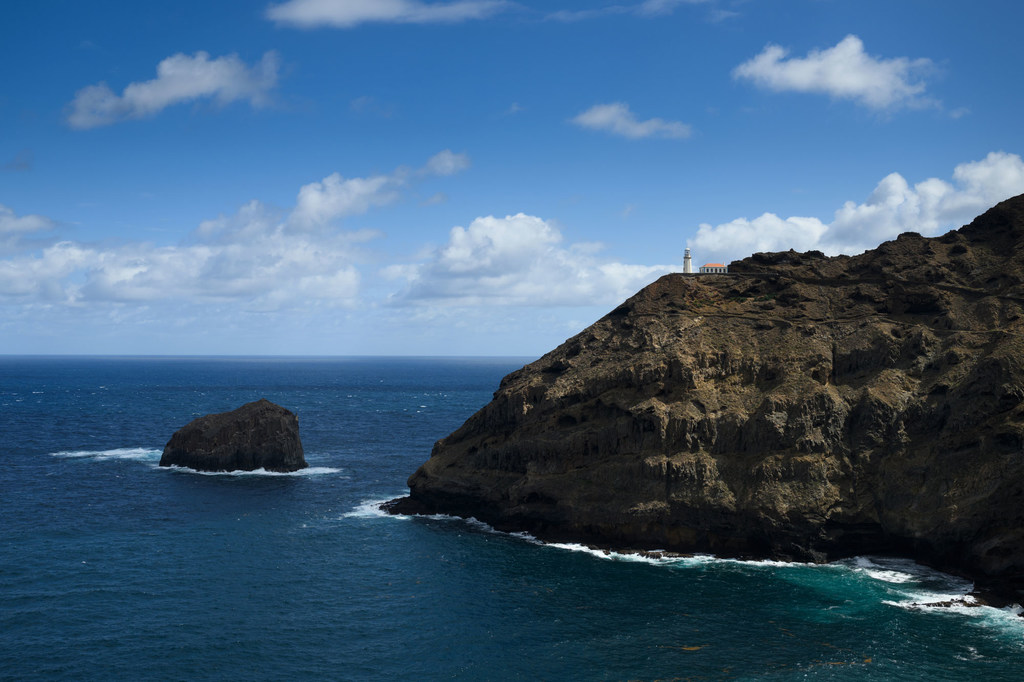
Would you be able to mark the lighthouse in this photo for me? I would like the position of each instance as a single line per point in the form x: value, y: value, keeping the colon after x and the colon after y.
x: 687, y: 263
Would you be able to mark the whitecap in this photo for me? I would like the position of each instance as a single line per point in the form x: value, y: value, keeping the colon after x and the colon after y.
x: 657, y: 557
x: 896, y: 571
x: 308, y: 471
x: 371, y: 509
x: 138, y: 454
x: 913, y: 587
x: 916, y: 587
x: 1006, y: 620
x: 152, y: 457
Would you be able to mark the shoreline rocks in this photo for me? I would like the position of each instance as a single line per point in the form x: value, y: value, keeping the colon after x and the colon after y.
x: 257, y: 435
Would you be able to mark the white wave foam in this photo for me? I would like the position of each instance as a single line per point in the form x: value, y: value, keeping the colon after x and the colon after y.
x: 912, y: 583
x: 917, y: 587
x: 899, y: 571
x: 1006, y: 620
x: 308, y: 471
x: 370, y: 509
x: 950, y: 603
x: 138, y: 454
x: 152, y: 457
x: 914, y: 587
x: 584, y: 549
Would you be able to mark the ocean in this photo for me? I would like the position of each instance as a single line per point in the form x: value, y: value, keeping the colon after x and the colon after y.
x: 114, y: 568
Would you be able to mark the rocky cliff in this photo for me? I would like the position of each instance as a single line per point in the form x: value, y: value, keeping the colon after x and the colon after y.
x: 804, y: 408
x: 258, y: 435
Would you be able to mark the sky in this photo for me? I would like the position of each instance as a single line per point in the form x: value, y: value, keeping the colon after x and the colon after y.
x: 465, y: 177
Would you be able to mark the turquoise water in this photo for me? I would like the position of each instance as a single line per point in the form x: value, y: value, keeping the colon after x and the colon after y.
x: 111, y: 567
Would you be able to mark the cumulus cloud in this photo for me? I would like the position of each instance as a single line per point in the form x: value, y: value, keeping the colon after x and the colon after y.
x: 21, y: 233
x: 259, y: 258
x: 10, y: 223
x: 180, y: 78
x: 845, y: 71
x: 335, y: 197
x: 350, y: 13
x: 249, y: 258
x: 930, y: 207
x: 617, y: 119
x: 518, y: 260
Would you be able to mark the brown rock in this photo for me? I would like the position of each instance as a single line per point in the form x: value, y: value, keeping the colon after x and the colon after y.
x: 804, y: 408
x: 258, y: 435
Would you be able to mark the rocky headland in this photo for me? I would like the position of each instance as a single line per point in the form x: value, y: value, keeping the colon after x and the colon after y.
x: 802, y: 407
x: 258, y: 435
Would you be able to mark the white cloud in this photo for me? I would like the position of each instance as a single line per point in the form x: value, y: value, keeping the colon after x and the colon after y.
x: 334, y: 197
x: 660, y: 7
x: 180, y: 78
x: 258, y: 258
x: 616, y: 118
x: 446, y: 162
x: 350, y: 13
x: 767, y: 232
x: 930, y: 207
x: 648, y: 8
x: 844, y: 72
x: 13, y: 224
x: 518, y: 260
x: 249, y: 258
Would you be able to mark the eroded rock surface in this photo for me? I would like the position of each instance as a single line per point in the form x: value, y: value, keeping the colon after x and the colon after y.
x: 805, y: 408
x: 258, y: 435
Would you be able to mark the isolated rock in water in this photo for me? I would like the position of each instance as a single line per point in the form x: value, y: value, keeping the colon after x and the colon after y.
x: 258, y: 435
x: 805, y: 407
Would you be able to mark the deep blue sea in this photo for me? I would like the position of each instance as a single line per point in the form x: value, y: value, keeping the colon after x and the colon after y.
x: 113, y: 568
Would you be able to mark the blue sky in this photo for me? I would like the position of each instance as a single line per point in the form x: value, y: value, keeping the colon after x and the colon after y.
x: 467, y: 177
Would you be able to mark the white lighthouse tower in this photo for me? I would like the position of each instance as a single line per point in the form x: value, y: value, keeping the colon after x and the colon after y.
x: 687, y: 263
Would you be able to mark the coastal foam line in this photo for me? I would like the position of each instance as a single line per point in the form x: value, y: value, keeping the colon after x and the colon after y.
x: 908, y: 585
x: 151, y: 457
x: 370, y: 509
x: 139, y: 454
x: 308, y: 471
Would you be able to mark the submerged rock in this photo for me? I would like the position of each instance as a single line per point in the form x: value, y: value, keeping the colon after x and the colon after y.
x: 802, y: 407
x: 258, y: 435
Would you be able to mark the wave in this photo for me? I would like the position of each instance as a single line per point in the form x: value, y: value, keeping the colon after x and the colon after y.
x: 914, y: 587
x: 308, y: 471
x: 909, y: 585
x: 895, y: 571
x: 138, y: 454
x: 371, y: 509
x: 152, y: 457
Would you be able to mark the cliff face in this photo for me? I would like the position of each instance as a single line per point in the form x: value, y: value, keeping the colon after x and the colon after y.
x: 805, y: 408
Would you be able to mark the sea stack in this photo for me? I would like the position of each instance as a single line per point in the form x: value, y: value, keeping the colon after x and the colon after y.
x: 258, y: 435
x: 799, y: 407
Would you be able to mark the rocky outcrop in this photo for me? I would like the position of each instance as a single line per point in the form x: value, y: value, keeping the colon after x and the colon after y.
x: 258, y: 435
x: 804, y: 407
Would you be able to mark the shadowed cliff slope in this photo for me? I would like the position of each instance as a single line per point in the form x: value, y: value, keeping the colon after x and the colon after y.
x: 805, y: 408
